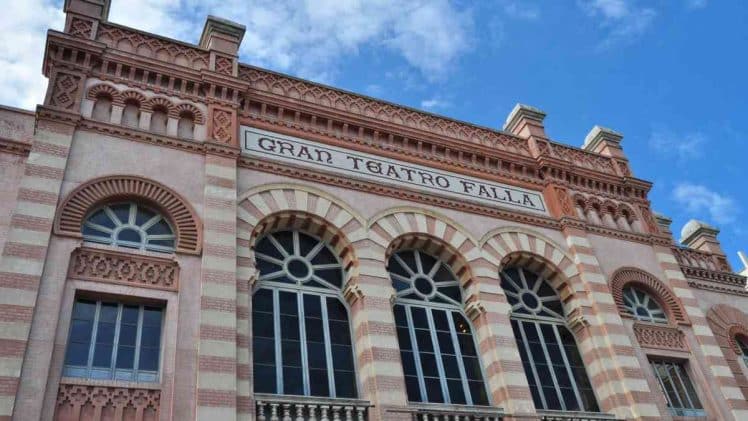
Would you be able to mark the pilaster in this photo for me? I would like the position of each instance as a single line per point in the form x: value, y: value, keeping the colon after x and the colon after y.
x: 616, y: 374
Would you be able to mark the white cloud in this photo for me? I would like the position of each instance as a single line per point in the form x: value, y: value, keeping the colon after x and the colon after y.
x: 310, y: 38
x: 696, y: 4
x: 683, y: 147
x: 24, y: 29
x: 434, y: 103
x: 700, y: 200
x: 621, y: 20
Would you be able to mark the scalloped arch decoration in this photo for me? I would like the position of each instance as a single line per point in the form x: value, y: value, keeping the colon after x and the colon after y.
x: 103, y: 89
x: 197, y: 115
x: 400, y: 228
x: 521, y: 247
x: 287, y: 206
x: 133, y: 96
x: 670, y: 303
x: 85, y: 197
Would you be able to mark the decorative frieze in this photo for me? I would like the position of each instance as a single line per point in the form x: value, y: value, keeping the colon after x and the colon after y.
x: 660, y: 337
x: 122, y: 268
x: 78, y: 402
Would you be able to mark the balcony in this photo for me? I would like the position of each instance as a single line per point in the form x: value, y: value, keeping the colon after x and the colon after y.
x: 443, y: 412
x: 283, y: 407
x: 575, y: 416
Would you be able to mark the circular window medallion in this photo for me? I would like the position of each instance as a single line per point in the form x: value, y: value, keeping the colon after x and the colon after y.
x: 423, y: 285
x: 298, y: 268
x: 530, y: 301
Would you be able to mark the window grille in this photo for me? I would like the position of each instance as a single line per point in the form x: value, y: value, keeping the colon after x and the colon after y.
x: 552, y: 363
x: 677, y: 387
x: 300, y: 331
x: 643, y: 306
x: 114, y: 341
x: 437, y: 348
x: 129, y: 225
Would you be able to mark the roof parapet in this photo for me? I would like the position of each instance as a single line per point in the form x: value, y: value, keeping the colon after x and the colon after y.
x: 525, y: 121
x: 222, y: 35
x: 604, y: 141
x: 664, y: 223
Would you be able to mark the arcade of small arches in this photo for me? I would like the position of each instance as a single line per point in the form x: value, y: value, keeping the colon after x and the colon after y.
x: 304, y: 248
x: 138, y: 112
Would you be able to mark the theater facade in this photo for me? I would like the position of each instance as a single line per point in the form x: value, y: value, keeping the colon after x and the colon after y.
x: 187, y: 237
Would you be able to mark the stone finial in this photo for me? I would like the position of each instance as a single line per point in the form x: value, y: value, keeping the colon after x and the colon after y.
x: 222, y: 35
x: 663, y: 223
x: 525, y: 121
x: 97, y: 9
x: 701, y: 236
x: 604, y: 141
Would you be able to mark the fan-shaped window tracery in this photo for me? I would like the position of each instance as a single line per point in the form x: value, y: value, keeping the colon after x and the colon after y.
x: 129, y: 225
x: 437, y: 348
x: 300, y: 331
x: 553, y: 366
x: 643, y: 306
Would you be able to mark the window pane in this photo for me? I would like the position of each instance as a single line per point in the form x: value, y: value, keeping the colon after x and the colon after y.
x: 314, y: 332
x: 434, y: 390
x: 319, y: 385
x: 263, y: 301
x: 312, y: 307
x: 262, y: 325
x: 478, y: 393
x: 291, y: 352
x: 108, y: 313
x: 264, y: 378
x: 288, y: 303
x: 151, y: 336
x: 412, y: 388
x: 472, y: 368
x: 105, y: 333
x: 289, y: 327
x: 400, y: 319
x: 148, y: 359
x: 102, y: 355
x: 292, y: 381
x: 345, y: 384
x: 456, y: 393
x: 125, y: 357
x: 128, y: 335
x: 423, y: 338
x: 339, y: 332
x: 152, y: 316
x: 263, y: 350
x: 446, y: 346
x: 419, y: 318
x: 403, y: 338
x: 77, y: 354
x: 342, y: 357
x: 451, y: 369
x: 80, y: 330
x: 428, y: 364
x: 336, y: 310
x: 84, y: 310
x: 409, y: 363
x: 316, y: 355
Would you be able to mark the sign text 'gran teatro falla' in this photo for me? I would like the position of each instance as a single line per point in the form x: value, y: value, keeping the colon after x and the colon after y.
x: 301, y: 152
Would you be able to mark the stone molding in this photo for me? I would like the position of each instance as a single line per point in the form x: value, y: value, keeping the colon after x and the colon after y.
x: 184, y: 219
x: 99, y: 403
x: 659, y: 291
x: 15, y: 146
x: 660, y: 337
x: 120, y: 267
x: 119, y: 97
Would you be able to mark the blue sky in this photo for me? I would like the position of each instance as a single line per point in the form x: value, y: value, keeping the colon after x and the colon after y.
x: 669, y: 75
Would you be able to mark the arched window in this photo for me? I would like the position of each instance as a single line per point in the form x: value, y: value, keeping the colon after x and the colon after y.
x: 643, y: 306
x: 131, y: 114
x: 437, y: 348
x: 552, y: 363
x: 102, y: 109
x: 129, y: 225
x: 186, y: 125
x: 159, y: 119
x: 742, y: 342
x: 300, y: 332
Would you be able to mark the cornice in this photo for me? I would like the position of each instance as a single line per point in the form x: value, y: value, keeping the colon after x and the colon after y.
x: 15, y: 147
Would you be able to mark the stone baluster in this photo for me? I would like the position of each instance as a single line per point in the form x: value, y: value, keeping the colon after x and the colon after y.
x: 286, y: 412
x: 336, y: 413
x: 261, y: 411
x: 323, y: 415
x: 300, y: 412
x: 360, y: 412
x: 312, y: 412
x: 274, y: 412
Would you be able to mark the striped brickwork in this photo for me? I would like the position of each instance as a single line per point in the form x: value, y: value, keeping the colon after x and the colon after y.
x: 280, y: 206
x: 389, y: 232
x: 23, y: 256
x: 727, y: 323
x: 615, y: 371
x: 705, y: 348
x: 221, y: 379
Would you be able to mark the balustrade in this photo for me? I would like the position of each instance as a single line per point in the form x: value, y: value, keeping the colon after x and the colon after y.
x: 302, y: 408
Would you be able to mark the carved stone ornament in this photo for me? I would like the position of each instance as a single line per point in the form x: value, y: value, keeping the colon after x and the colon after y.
x: 123, y: 268
x: 81, y: 28
x: 224, y: 65
x: 222, y: 126
x: 101, y: 403
x: 64, y: 91
x: 660, y: 337
x: 474, y: 309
